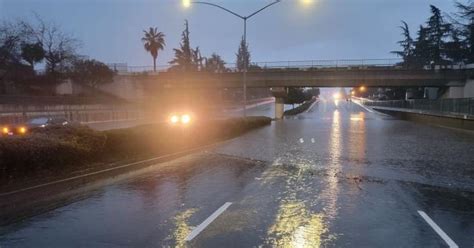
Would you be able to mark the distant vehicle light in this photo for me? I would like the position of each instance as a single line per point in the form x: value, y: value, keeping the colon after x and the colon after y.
x: 336, y: 96
x: 22, y: 130
x: 185, y: 119
x: 174, y: 119
x: 5, y: 130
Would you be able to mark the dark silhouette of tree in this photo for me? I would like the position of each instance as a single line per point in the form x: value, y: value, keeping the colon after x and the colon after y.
x: 215, y: 64
x: 455, y: 48
x: 32, y: 53
x: 437, y: 30
x: 91, y: 72
x: 465, y: 24
x: 422, y: 48
x: 186, y: 58
x: 243, y: 56
x: 59, y: 47
x: 153, y: 41
x: 197, y: 59
x: 407, y: 45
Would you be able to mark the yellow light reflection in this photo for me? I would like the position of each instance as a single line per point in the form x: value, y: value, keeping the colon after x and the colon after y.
x: 182, y: 227
x: 306, y: 2
x: 335, y: 151
x: 357, y: 137
x: 296, y: 227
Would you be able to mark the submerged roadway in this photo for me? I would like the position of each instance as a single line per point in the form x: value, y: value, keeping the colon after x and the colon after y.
x: 335, y: 176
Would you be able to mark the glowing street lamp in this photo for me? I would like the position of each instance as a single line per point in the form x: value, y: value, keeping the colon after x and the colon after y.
x: 362, y: 88
x: 187, y: 3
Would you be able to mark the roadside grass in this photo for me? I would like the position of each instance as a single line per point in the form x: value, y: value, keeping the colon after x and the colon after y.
x: 61, y: 151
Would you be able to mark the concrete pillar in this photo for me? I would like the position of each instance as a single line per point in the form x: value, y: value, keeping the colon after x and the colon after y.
x: 279, y: 107
x: 279, y: 93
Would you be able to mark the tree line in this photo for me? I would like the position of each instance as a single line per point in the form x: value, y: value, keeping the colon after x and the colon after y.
x: 443, y: 39
x: 25, y: 44
x: 187, y: 58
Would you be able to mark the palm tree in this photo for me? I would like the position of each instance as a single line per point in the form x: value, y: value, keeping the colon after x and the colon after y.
x: 153, y: 41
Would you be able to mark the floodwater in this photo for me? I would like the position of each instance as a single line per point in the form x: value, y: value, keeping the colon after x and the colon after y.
x: 335, y: 176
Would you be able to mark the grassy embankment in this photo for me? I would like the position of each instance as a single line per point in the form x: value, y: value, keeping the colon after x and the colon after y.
x: 67, y: 150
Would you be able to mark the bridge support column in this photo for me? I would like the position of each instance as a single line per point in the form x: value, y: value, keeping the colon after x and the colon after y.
x: 279, y: 93
x: 279, y: 107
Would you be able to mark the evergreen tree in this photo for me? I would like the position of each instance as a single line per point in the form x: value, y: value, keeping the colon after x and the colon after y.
x: 407, y: 45
x: 243, y: 56
x: 184, y: 57
x: 215, y: 64
x: 197, y: 59
x: 421, y: 52
x: 455, y: 49
x: 465, y: 23
x: 437, y: 30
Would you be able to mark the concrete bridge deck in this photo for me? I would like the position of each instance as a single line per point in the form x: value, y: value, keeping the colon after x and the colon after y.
x: 379, y: 77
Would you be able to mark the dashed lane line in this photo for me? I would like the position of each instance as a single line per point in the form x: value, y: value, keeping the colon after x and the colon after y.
x: 438, y: 230
x: 195, y: 232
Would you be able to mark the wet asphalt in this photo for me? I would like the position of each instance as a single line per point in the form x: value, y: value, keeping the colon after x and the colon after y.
x: 335, y: 176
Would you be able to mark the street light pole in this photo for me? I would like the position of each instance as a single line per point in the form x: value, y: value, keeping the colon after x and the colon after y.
x: 244, y: 18
x: 246, y: 60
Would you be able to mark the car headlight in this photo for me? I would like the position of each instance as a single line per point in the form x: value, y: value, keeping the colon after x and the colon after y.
x: 5, y: 130
x: 22, y: 130
x: 174, y: 119
x: 185, y: 119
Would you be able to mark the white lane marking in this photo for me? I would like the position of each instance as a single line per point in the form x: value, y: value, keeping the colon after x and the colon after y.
x: 364, y: 107
x: 438, y: 230
x: 301, y: 140
x: 312, y: 140
x: 310, y: 107
x: 208, y: 221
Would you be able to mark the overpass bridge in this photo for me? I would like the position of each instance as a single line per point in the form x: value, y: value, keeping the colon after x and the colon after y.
x: 316, y: 73
x: 312, y: 73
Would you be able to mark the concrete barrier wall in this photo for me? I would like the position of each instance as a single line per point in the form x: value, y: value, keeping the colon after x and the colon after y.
x: 460, y: 122
x: 13, y: 114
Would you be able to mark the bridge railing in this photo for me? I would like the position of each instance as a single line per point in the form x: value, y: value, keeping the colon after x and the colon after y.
x: 458, y: 106
x: 305, y: 64
x: 123, y: 68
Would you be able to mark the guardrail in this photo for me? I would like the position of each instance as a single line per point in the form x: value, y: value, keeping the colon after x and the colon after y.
x: 123, y: 68
x: 393, y: 63
x: 456, y: 106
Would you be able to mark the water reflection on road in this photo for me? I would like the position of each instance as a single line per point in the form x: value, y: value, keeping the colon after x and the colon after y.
x: 335, y: 176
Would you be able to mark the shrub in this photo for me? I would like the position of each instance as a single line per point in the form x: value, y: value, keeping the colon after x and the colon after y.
x: 60, y: 149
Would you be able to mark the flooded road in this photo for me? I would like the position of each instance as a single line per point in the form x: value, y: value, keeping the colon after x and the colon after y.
x: 335, y: 176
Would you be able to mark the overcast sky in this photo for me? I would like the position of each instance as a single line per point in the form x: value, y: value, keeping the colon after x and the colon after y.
x: 110, y: 30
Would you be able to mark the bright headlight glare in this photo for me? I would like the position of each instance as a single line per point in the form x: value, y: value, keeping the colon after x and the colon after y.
x: 5, y: 130
x: 22, y: 130
x: 185, y: 119
x: 174, y: 119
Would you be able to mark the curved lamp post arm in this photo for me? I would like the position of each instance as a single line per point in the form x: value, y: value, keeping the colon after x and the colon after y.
x: 220, y: 7
x: 258, y: 11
